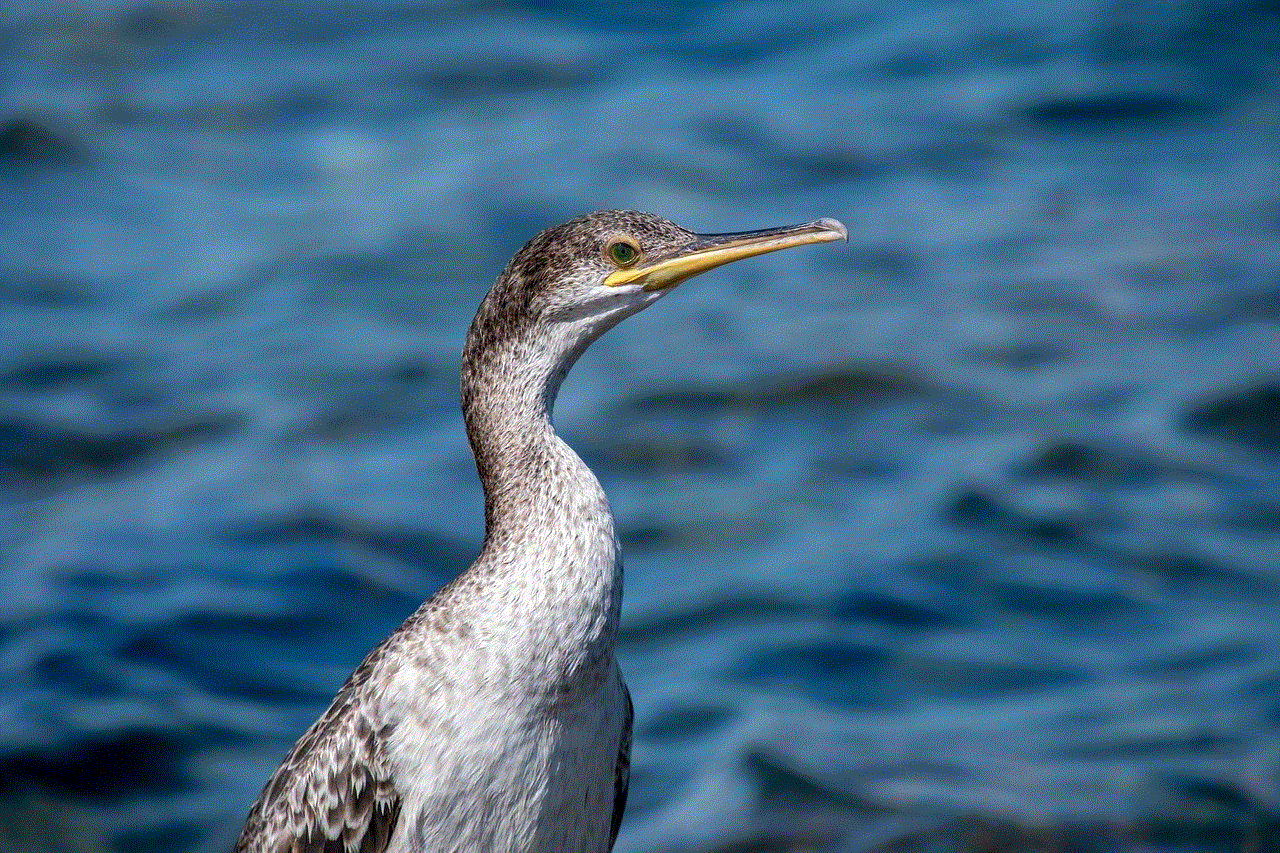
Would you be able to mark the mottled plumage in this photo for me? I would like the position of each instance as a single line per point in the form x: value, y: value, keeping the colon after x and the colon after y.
x: 495, y: 718
x: 333, y: 793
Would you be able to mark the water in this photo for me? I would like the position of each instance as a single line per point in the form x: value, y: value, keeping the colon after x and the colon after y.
x: 961, y: 537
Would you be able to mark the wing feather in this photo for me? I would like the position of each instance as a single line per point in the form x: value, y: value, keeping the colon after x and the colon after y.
x: 331, y: 794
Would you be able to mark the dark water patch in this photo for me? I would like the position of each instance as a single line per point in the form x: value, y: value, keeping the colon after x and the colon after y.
x: 499, y: 75
x: 944, y: 154
x: 326, y: 610
x: 219, y: 301
x: 975, y: 672
x: 203, y: 628
x: 174, y: 833
x: 974, y: 508
x: 983, y: 833
x: 1153, y: 746
x: 35, y: 141
x: 893, y: 612
x: 1250, y: 417
x: 666, y: 455
x: 205, y: 647
x: 1021, y: 355
x: 138, y: 400
x: 1070, y: 604
x: 714, y: 534
x: 955, y: 571
x: 848, y: 462
x: 44, y: 290
x: 686, y: 722
x: 75, y: 670
x: 847, y: 387
x: 1255, y: 513
x: 791, y: 810
x: 1107, y: 401
x: 823, y: 166
x: 978, y: 833
x: 1043, y: 298
x: 1204, y: 827
x: 886, y: 262
x: 1112, y: 110
x: 116, y: 39
x: 234, y: 26
x: 758, y: 166
x: 154, y: 24
x: 419, y: 548
x: 139, y: 761
x: 841, y: 671
x: 412, y: 278
x: 342, y: 588
x: 707, y: 616
x: 1222, y: 657
x: 31, y: 822
x: 639, y: 539
x: 55, y: 372
x: 815, y: 163
x: 94, y: 591
x: 773, y: 839
x: 367, y: 404
x: 412, y: 374
x: 233, y: 111
x: 1200, y: 575
x: 779, y: 782
x: 1211, y: 797
x: 1262, y: 305
x: 735, y: 37
x: 1117, y: 465
x: 40, y: 452
x: 955, y: 412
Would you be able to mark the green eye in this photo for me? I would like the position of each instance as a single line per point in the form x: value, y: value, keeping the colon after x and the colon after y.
x: 623, y: 252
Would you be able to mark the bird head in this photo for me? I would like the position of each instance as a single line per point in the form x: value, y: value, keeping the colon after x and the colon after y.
x: 572, y: 282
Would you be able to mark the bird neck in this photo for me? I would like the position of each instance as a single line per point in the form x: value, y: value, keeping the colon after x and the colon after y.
x: 549, y: 532
x: 508, y: 392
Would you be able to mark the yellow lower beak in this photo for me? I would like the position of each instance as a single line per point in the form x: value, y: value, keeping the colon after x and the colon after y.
x: 713, y: 250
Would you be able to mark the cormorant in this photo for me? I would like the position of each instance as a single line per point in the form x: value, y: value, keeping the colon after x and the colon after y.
x: 495, y: 720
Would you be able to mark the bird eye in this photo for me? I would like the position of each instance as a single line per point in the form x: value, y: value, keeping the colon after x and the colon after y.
x: 623, y: 252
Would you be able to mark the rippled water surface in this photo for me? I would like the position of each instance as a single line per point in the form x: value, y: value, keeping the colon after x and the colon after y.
x: 963, y: 537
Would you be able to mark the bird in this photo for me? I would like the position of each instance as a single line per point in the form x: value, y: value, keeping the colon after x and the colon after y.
x: 495, y: 718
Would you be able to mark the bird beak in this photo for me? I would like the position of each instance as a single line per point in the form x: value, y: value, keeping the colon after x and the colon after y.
x: 711, y: 250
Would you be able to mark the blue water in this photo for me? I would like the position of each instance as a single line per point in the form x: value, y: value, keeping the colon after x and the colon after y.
x: 962, y: 537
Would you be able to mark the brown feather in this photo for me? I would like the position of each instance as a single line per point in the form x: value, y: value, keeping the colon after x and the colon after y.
x: 333, y: 791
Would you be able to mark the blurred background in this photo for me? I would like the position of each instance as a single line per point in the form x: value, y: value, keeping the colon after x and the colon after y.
x: 962, y: 537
